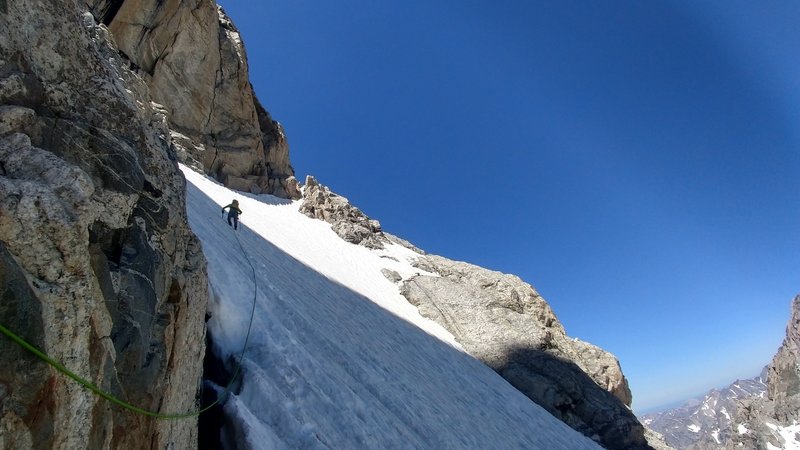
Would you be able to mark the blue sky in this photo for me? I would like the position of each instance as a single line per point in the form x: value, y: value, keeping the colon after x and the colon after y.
x: 637, y: 162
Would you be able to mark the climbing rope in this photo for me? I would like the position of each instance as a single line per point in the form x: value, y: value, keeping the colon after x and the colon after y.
x: 119, y: 402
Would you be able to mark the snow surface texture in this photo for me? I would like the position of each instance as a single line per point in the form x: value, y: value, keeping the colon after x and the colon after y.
x: 789, y: 435
x: 337, y: 358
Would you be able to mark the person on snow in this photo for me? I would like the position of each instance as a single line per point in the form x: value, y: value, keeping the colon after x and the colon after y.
x: 233, y: 214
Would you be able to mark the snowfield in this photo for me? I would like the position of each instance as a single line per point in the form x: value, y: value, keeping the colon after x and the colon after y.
x: 337, y: 358
x: 789, y: 435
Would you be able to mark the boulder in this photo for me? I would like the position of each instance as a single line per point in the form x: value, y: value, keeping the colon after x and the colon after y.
x: 392, y: 275
x: 293, y: 188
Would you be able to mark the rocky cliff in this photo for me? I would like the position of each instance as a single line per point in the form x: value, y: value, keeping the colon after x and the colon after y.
x: 98, y: 267
x: 760, y: 413
x: 783, y: 377
x: 191, y: 56
x: 503, y: 322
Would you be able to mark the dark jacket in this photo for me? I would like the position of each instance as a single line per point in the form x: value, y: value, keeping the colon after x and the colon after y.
x: 234, y: 210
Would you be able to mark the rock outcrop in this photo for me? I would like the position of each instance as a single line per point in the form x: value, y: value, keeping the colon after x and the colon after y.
x: 772, y: 421
x: 347, y: 221
x: 759, y: 413
x: 505, y: 323
x: 783, y: 386
x: 191, y: 56
x: 98, y: 267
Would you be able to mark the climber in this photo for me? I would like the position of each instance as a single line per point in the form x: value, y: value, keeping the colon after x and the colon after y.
x: 233, y: 214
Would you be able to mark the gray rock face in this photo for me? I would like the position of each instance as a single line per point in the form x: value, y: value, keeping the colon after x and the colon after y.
x: 761, y: 417
x: 505, y: 323
x: 347, y: 221
x: 99, y: 268
x: 192, y: 57
x: 784, y: 371
x: 748, y: 414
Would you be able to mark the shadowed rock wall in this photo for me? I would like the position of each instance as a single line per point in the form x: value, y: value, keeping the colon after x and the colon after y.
x: 193, y: 59
x: 504, y: 322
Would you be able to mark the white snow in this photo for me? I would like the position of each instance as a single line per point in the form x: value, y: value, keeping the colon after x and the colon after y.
x: 742, y: 429
x: 693, y: 428
x: 725, y: 412
x: 337, y: 358
x: 715, y: 435
x: 789, y: 435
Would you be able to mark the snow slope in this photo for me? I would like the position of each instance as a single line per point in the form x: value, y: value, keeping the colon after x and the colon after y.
x: 337, y: 358
x: 789, y: 435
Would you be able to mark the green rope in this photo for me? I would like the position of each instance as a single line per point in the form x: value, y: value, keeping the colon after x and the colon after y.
x: 111, y: 398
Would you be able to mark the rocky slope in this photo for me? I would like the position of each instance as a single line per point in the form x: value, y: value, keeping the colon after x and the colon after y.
x: 98, y: 267
x: 503, y: 322
x: 192, y: 58
x: 760, y: 413
x: 348, y: 222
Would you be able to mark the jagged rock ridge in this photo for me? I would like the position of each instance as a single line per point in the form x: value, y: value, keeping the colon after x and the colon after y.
x: 99, y: 268
x: 347, y: 221
x: 505, y: 323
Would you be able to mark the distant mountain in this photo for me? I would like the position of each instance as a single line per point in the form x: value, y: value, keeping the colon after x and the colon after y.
x: 759, y: 413
x: 707, y: 418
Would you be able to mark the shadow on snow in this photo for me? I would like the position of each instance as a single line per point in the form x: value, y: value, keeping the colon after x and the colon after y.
x: 327, y: 367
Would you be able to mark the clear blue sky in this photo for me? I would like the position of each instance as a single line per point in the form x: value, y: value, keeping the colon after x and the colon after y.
x: 637, y: 162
